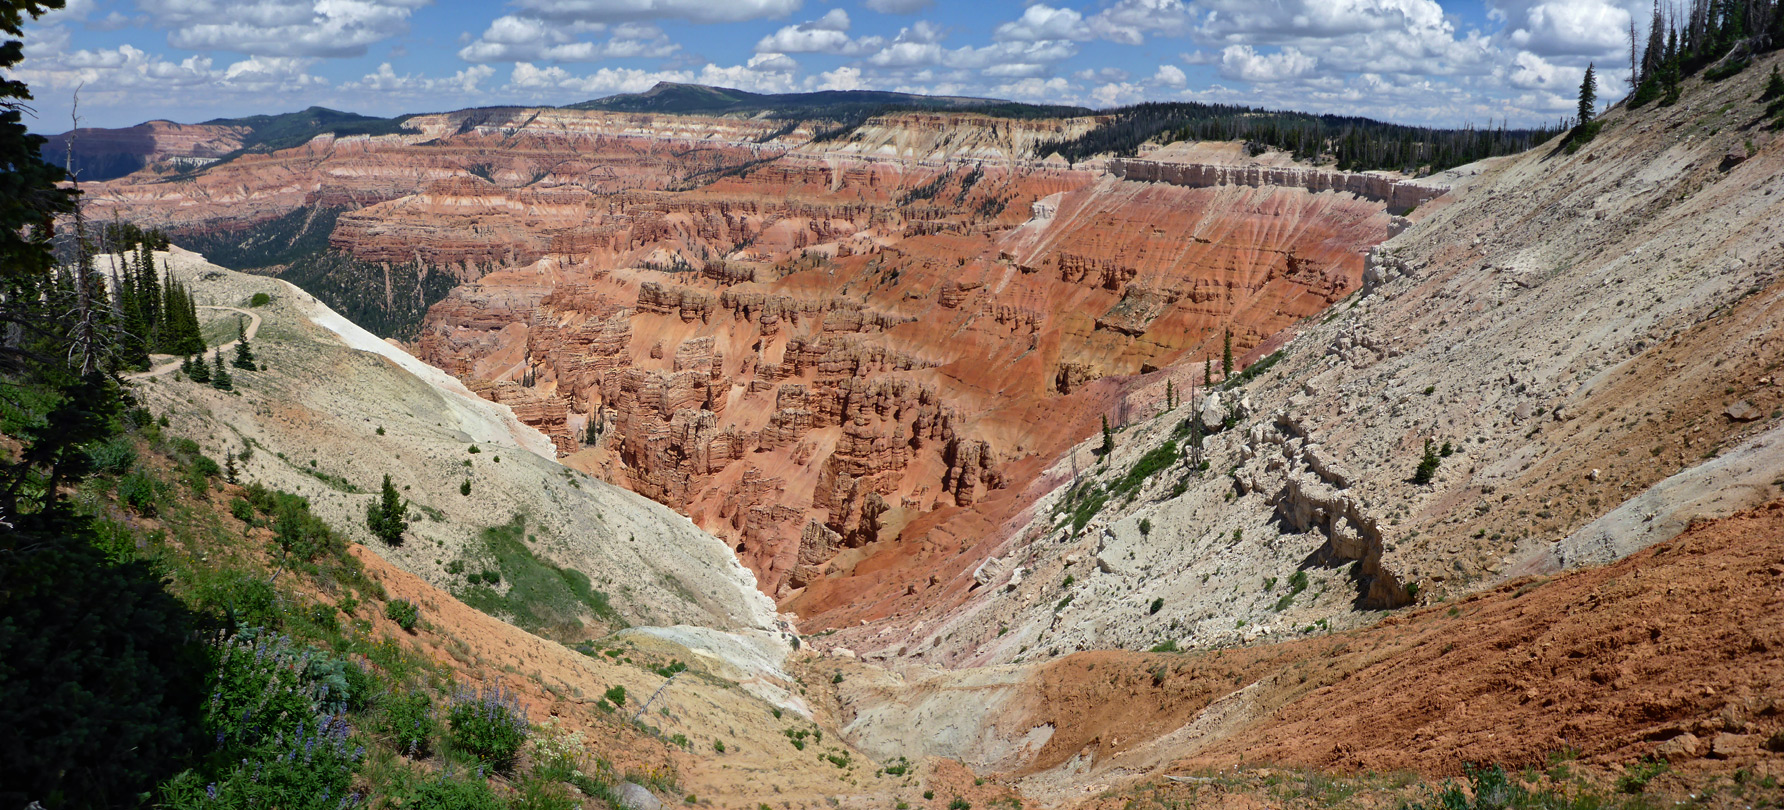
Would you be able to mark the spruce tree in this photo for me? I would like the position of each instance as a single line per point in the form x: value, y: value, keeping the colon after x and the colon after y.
x: 1207, y: 371
x: 388, y: 518
x: 220, y: 377
x: 1588, y: 95
x: 1108, y: 439
x: 148, y: 299
x: 1170, y: 396
x: 1226, y: 357
x: 229, y: 467
x: 133, y: 347
x: 1774, y: 87
x: 199, y: 370
x: 1427, y: 469
x: 244, y: 356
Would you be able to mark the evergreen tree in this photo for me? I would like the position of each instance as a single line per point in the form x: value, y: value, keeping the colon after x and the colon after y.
x: 133, y: 347
x: 101, y: 682
x: 1655, y: 53
x: 1207, y: 371
x: 244, y: 356
x: 181, y: 334
x: 229, y: 467
x: 1108, y: 439
x: 1427, y: 469
x: 1588, y: 95
x: 198, y: 369
x: 1774, y: 86
x: 388, y: 518
x: 148, y: 296
x: 220, y: 377
x: 1170, y: 396
x: 1226, y: 357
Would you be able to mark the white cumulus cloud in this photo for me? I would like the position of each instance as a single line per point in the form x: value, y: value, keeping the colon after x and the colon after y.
x: 1243, y: 63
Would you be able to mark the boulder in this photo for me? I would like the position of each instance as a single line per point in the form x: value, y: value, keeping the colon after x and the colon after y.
x: 1728, y: 746
x: 1735, y: 156
x: 1742, y: 411
x: 1683, y: 747
x: 633, y: 796
x: 1213, y: 413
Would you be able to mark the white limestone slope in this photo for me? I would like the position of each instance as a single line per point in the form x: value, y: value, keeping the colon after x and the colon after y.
x: 337, y: 409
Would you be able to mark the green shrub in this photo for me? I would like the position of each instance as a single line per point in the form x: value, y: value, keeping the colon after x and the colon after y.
x: 403, y: 612
x: 489, y: 724
x: 408, y: 720
x: 260, y: 299
x: 112, y: 458
x: 348, y: 683
x: 277, y: 745
x: 617, y: 695
x: 1637, y: 775
x: 205, y: 466
x: 1157, y: 605
x: 1725, y: 70
x: 240, y: 599
x: 1581, y: 135
x: 142, y: 492
x: 299, y: 532
x: 453, y: 792
x: 242, y: 510
x: 960, y: 804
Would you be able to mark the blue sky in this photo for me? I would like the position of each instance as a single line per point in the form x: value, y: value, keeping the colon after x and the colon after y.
x: 1412, y: 61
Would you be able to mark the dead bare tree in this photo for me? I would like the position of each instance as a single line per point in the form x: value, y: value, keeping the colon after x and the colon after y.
x: 88, y: 344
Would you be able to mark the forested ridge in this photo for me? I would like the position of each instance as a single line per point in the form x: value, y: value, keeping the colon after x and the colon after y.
x: 1350, y: 142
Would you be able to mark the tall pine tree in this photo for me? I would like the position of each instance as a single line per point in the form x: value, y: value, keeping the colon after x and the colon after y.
x: 1588, y: 95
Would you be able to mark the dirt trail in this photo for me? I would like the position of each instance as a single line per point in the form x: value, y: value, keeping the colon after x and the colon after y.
x: 252, y: 330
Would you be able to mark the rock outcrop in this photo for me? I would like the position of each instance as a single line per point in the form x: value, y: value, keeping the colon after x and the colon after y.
x: 1399, y: 195
x: 886, y: 335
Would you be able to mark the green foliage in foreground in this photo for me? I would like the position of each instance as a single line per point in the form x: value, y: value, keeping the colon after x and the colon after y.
x: 490, y: 724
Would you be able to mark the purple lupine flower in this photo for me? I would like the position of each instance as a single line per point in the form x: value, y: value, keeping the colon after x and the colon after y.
x: 210, y: 790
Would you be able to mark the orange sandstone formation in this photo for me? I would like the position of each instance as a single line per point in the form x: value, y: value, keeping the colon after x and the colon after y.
x: 846, y: 357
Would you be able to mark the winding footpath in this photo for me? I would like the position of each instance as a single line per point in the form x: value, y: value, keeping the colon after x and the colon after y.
x: 252, y: 330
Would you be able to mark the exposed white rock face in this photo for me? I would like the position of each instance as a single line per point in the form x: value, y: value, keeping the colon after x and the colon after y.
x: 340, y: 408
x: 1398, y: 194
x: 1545, y: 319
